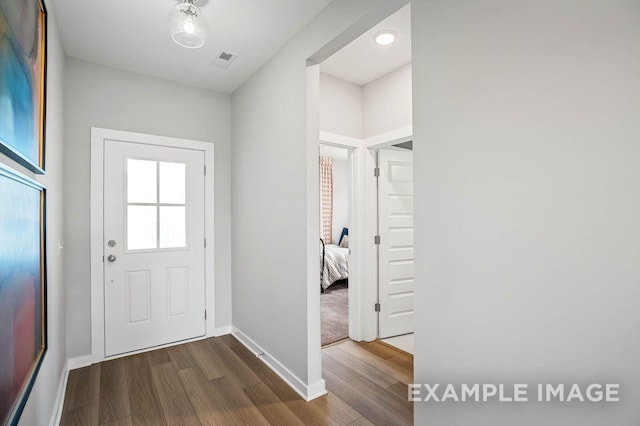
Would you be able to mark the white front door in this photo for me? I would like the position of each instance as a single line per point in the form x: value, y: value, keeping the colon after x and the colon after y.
x: 395, y: 223
x: 154, y: 269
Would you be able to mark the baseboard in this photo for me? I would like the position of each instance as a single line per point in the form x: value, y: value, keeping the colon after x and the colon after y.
x: 56, y: 414
x: 316, y: 390
x: 307, y: 392
x: 79, y: 362
x: 221, y: 331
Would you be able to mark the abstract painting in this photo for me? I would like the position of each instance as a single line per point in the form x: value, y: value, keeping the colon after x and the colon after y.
x: 23, y: 339
x: 22, y: 81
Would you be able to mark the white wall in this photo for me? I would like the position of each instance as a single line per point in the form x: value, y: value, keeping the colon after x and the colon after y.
x: 273, y: 170
x: 40, y: 405
x: 104, y: 97
x: 380, y: 106
x: 387, y: 103
x: 341, y: 185
x: 340, y: 107
x: 527, y: 203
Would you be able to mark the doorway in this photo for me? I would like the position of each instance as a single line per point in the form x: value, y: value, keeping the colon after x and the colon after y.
x: 335, y: 207
x: 152, y: 271
x: 365, y: 103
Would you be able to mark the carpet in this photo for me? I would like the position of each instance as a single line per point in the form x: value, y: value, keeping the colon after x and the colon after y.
x: 334, y: 313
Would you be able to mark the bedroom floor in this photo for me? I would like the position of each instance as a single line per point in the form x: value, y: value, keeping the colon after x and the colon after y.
x: 334, y: 313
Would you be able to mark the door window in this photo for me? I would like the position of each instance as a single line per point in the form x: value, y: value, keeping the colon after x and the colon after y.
x: 156, y: 205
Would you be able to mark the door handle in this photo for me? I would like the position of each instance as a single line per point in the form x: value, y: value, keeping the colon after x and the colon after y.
x: 111, y: 258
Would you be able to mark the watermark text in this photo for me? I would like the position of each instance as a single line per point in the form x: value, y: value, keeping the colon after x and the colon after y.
x: 520, y: 392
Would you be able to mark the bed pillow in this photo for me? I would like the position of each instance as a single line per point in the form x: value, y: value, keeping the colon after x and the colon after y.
x: 345, y: 232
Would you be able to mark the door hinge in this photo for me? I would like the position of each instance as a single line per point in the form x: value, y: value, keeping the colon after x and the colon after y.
x: 376, y: 172
x: 377, y: 307
x: 376, y: 239
x: 102, y: 259
x: 205, y: 169
x: 205, y: 314
x: 205, y: 242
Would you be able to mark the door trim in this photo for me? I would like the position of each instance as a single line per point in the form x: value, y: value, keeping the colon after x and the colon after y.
x: 98, y: 137
x: 363, y: 320
x: 355, y: 281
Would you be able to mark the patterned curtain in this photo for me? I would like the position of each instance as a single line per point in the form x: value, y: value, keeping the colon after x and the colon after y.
x: 326, y: 199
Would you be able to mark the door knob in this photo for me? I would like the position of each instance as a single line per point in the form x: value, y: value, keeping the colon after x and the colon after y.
x: 111, y: 258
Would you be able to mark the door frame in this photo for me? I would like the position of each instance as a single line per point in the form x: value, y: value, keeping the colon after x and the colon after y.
x: 352, y: 146
x: 98, y: 137
x: 363, y: 320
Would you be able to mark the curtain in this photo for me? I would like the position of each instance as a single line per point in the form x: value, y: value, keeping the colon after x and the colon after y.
x: 326, y: 199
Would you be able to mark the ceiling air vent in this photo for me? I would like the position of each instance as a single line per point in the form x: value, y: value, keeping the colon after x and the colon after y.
x: 224, y: 59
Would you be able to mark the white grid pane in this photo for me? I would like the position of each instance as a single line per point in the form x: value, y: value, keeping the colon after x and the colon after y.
x: 142, y: 227
x: 172, y: 227
x: 141, y: 181
x: 172, y: 183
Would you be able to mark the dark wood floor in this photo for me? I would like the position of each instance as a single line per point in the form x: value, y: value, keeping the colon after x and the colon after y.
x: 219, y: 382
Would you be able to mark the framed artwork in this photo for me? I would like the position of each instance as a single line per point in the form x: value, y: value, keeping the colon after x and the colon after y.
x: 23, y: 45
x: 23, y: 328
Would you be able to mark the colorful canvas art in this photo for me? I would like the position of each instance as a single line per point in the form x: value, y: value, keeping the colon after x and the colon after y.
x: 22, y: 81
x: 22, y: 290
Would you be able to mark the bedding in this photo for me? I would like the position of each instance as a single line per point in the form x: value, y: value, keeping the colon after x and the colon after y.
x: 336, y: 265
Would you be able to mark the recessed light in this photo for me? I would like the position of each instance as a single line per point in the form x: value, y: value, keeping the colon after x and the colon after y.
x: 386, y: 37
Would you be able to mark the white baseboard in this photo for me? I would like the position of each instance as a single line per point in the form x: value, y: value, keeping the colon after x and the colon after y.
x: 56, y: 414
x: 307, y: 392
x: 316, y: 390
x: 221, y: 331
x: 79, y: 362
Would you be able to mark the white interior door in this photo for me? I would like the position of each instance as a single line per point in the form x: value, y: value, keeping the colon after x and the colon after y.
x: 154, y: 274
x: 395, y: 226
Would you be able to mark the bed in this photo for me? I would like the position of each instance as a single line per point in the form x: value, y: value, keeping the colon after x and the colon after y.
x: 334, y: 263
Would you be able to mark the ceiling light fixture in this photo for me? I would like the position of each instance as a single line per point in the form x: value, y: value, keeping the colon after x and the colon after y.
x: 386, y: 37
x: 188, y: 25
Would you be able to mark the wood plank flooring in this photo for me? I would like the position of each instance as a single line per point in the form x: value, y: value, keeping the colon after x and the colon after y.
x: 220, y: 382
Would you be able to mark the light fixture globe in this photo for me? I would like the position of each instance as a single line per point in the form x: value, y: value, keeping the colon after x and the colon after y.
x: 188, y: 25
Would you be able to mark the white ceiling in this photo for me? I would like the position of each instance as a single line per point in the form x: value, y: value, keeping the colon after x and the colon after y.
x: 363, y: 60
x: 134, y: 36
